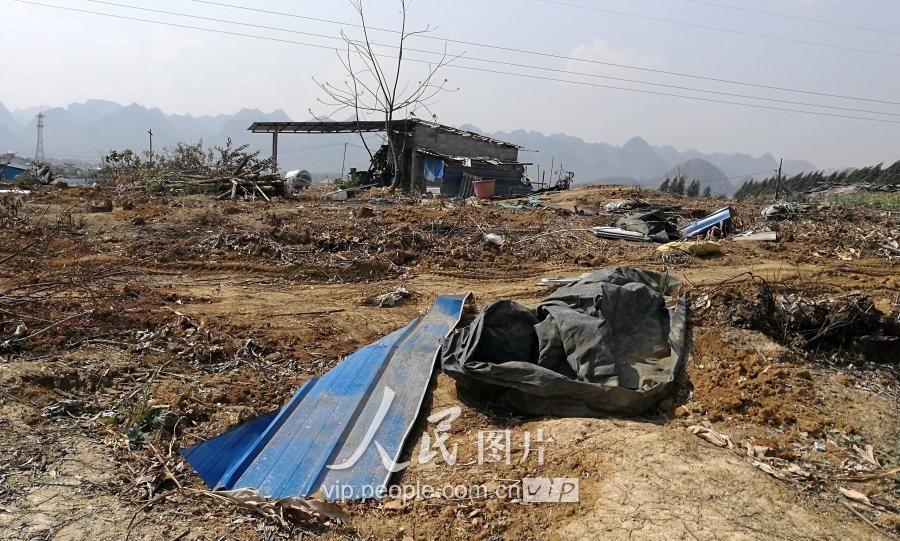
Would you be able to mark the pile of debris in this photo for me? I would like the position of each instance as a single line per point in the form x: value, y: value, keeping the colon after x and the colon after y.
x: 228, y: 171
x: 848, y: 323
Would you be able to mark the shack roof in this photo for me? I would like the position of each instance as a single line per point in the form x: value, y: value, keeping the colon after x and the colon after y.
x: 364, y: 126
x: 459, y: 159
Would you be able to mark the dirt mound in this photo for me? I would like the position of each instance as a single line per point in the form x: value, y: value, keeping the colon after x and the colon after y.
x: 741, y: 376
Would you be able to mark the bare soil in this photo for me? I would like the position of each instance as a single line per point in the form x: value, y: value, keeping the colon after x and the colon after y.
x: 215, y: 312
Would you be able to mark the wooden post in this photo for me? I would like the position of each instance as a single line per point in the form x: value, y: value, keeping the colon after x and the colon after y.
x: 778, y: 180
x: 275, y: 152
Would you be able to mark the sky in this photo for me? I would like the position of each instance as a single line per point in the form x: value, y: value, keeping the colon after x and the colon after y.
x: 59, y: 57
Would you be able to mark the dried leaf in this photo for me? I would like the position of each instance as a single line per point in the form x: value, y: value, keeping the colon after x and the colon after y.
x: 855, y: 496
x: 302, y: 508
x: 768, y: 469
x: 867, y: 454
x: 710, y: 435
x: 798, y: 471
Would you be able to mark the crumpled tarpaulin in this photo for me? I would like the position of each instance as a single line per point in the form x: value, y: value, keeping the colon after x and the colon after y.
x: 607, y: 343
x: 655, y: 224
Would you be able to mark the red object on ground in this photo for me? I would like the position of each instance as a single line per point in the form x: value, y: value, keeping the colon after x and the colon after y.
x: 484, y: 189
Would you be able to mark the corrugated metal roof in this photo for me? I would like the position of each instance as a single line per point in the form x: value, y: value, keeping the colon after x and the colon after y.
x: 705, y: 224
x: 364, y: 126
x: 339, y: 433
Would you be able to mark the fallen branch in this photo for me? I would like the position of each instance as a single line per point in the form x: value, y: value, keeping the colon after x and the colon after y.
x: 314, y: 313
x: 266, y: 197
x: 45, y: 329
x: 867, y: 521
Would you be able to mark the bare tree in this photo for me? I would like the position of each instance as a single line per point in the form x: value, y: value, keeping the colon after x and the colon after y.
x: 373, y: 87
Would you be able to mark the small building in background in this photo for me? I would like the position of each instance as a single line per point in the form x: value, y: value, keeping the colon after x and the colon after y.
x: 431, y: 155
x: 10, y: 168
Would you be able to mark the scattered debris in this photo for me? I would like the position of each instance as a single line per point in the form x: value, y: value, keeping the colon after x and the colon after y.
x: 657, y: 225
x: 562, y: 281
x: 510, y: 206
x: 392, y: 298
x: 752, y: 236
x: 781, y: 211
x: 700, y: 248
x: 297, y: 180
x: 719, y: 219
x: 340, y: 195
x: 710, y: 435
x: 494, y: 239
x: 281, y: 509
x: 617, y: 233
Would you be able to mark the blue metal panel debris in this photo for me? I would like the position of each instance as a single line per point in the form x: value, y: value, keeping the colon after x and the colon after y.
x: 9, y: 171
x: 340, y: 434
x: 705, y: 224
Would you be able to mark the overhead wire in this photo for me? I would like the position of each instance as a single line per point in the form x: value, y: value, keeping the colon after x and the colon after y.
x: 548, y: 54
x: 469, y: 68
x: 503, y: 62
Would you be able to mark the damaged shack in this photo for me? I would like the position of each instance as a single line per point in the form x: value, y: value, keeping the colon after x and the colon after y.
x: 430, y: 154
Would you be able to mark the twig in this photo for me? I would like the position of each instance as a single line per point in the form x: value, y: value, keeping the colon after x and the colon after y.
x: 867, y: 521
x: 315, y: 313
x: 162, y: 462
x: 869, y: 477
x: 51, y: 326
x: 556, y: 232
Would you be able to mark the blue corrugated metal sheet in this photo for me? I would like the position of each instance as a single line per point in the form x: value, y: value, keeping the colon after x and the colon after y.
x: 705, y: 224
x: 9, y: 172
x: 341, y: 432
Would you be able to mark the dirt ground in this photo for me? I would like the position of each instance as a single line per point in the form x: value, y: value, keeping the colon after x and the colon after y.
x: 132, y: 334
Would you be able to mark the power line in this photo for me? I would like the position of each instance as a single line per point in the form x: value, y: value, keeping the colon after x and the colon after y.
x: 752, y: 174
x: 794, y: 17
x: 470, y: 68
x: 549, y: 55
x: 716, y: 28
x: 506, y: 63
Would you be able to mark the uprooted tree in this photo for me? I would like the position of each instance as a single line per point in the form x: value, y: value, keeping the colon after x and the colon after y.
x: 373, y: 85
x: 225, y: 170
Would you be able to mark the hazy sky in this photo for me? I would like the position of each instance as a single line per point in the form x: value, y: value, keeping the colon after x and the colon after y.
x: 55, y: 57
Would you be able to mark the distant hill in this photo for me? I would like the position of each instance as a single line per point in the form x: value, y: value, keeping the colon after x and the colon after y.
x: 87, y: 131
x: 637, y: 161
x: 702, y: 170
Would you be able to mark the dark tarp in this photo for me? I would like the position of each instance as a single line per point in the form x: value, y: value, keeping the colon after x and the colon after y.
x: 604, y: 344
x: 656, y: 224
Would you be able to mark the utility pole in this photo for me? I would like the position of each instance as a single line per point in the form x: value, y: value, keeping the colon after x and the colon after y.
x: 344, y: 163
x: 151, y: 148
x: 778, y: 181
x: 39, y: 149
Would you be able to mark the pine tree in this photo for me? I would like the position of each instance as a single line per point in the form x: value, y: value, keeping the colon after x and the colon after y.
x: 677, y: 186
x: 707, y: 192
x: 693, y: 189
x: 664, y: 187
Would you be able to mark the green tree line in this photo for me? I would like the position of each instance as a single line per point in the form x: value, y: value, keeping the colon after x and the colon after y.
x: 804, y: 182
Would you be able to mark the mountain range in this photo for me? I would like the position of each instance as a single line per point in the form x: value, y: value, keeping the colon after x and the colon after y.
x: 85, y: 132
